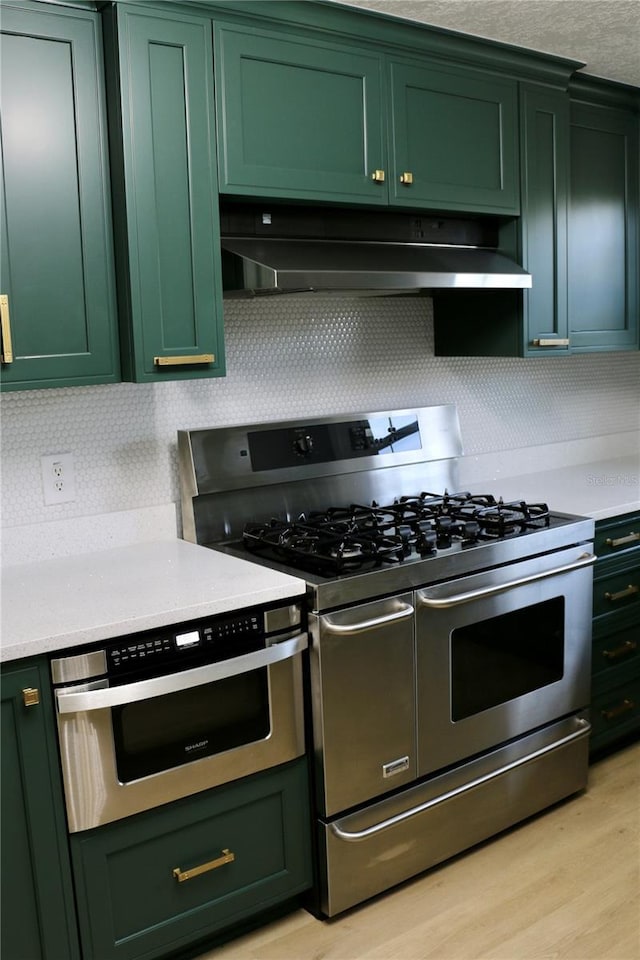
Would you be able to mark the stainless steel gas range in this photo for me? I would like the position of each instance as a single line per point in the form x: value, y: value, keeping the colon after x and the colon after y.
x: 450, y: 634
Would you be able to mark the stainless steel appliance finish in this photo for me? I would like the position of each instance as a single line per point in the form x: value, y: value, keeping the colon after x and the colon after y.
x: 450, y: 633
x: 276, y: 249
x: 153, y: 717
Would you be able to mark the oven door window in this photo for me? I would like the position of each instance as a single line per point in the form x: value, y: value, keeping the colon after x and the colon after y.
x: 504, y: 657
x: 164, y: 732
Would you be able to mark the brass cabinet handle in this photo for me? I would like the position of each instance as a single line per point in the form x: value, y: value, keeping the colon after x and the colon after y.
x: 627, y: 592
x: 378, y: 176
x: 623, y: 707
x: 555, y: 342
x: 622, y: 651
x: 5, y: 326
x: 179, y: 361
x: 621, y: 541
x: 182, y: 875
x: 406, y: 177
x: 31, y: 696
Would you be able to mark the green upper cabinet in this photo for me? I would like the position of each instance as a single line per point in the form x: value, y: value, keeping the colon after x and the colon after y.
x: 303, y: 118
x: 544, y: 116
x: 57, y: 279
x: 454, y: 139
x: 161, y: 119
x: 38, y: 916
x: 298, y: 118
x: 603, y: 228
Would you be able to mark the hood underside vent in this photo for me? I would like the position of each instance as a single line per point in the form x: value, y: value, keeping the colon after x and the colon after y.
x: 283, y: 250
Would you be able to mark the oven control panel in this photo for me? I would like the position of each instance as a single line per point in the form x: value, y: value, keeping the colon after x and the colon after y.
x: 187, y: 645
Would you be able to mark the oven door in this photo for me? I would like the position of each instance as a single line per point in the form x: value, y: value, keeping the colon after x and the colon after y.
x: 501, y: 653
x: 129, y: 747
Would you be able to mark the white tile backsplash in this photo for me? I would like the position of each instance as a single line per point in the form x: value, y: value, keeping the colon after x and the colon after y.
x: 288, y: 358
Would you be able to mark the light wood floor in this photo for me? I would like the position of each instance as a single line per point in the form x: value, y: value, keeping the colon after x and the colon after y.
x: 563, y: 886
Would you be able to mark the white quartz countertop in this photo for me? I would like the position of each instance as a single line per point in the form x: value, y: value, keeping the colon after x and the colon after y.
x: 57, y: 604
x: 602, y: 489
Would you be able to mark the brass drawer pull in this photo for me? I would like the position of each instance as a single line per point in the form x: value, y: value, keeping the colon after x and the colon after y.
x: 622, y: 708
x: 556, y: 342
x: 378, y: 176
x: 630, y: 538
x: 182, y: 875
x: 622, y: 651
x: 180, y: 361
x: 5, y: 326
x: 630, y: 591
x: 406, y: 178
x: 31, y: 696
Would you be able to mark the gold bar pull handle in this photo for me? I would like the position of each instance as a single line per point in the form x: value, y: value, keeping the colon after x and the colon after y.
x: 182, y: 875
x: 406, y: 178
x: 630, y: 591
x: 622, y: 651
x: 378, y: 176
x: 622, y: 541
x: 625, y: 707
x: 5, y: 328
x: 181, y: 361
x: 31, y: 696
x: 554, y: 342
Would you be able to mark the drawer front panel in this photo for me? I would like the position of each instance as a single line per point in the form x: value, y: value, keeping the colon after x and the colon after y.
x: 159, y: 881
x: 615, y: 712
x: 615, y: 590
x: 617, y: 537
x: 619, y: 647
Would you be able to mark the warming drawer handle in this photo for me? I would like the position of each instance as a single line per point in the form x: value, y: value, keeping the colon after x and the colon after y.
x: 584, y: 728
x: 84, y: 700
x: 453, y: 601
x: 350, y: 629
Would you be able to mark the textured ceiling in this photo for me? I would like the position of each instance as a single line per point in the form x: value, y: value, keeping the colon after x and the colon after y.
x: 604, y: 34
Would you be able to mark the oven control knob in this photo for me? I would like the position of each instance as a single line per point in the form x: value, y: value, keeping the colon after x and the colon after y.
x: 303, y: 445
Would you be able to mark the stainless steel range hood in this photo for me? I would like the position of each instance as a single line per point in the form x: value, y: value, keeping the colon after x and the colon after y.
x: 363, y: 253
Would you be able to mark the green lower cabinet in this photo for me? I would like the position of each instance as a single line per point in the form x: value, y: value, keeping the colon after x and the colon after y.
x: 38, y: 917
x: 159, y: 67
x: 603, y: 245
x: 135, y: 898
x: 454, y: 139
x: 615, y: 694
x: 57, y: 281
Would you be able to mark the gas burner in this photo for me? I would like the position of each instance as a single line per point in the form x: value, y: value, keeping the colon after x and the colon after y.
x: 506, y: 519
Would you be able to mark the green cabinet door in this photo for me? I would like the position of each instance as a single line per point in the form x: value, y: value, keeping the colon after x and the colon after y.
x: 603, y: 229
x: 161, y: 119
x: 38, y: 921
x: 57, y: 280
x: 544, y: 118
x: 298, y: 118
x: 454, y: 140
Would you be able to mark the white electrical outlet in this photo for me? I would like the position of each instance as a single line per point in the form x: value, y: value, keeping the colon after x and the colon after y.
x: 58, y: 480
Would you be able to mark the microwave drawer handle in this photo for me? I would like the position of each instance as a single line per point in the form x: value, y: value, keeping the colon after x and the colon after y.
x: 350, y: 629
x: 456, y: 599
x: 85, y: 700
x: 583, y: 730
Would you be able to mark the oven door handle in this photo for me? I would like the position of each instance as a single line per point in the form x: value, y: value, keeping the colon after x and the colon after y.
x: 350, y: 629
x: 583, y: 728
x: 439, y: 603
x: 69, y: 701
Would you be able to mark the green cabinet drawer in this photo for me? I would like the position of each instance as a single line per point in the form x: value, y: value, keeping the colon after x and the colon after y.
x: 161, y: 120
x: 298, y: 117
x: 59, y: 325
x: 615, y: 711
x: 454, y: 132
x: 616, y: 587
x: 617, y: 537
x: 618, y: 644
x: 135, y: 896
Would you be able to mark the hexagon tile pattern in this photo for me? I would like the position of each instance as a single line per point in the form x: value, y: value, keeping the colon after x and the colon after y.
x: 289, y: 358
